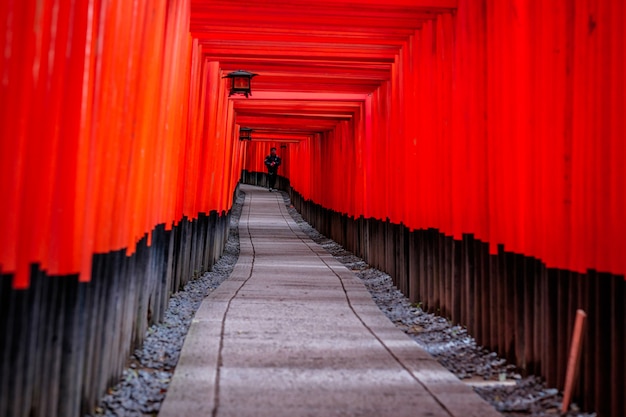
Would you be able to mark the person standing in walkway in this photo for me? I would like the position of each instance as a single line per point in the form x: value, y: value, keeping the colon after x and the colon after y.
x: 272, y: 162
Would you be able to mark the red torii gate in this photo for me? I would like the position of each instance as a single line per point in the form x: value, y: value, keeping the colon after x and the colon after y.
x: 500, y: 119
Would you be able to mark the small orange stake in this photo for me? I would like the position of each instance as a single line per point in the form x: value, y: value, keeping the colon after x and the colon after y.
x: 574, y: 358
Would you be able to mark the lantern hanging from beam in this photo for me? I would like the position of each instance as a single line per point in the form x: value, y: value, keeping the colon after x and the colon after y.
x: 240, y: 82
x: 245, y: 133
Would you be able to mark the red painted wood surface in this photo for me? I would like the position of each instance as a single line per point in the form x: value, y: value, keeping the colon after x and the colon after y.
x: 108, y: 129
x: 503, y: 119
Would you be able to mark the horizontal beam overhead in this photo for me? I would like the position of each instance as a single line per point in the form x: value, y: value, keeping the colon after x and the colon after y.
x: 328, y: 52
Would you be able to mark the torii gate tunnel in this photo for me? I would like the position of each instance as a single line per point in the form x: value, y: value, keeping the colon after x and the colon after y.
x: 473, y: 149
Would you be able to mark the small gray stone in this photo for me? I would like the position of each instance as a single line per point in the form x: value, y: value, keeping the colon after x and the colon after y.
x: 143, y: 386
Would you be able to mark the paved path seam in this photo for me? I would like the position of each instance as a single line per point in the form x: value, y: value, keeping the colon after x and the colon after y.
x: 246, y: 354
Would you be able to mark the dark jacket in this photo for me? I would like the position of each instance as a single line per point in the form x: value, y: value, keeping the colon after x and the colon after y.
x: 268, y: 163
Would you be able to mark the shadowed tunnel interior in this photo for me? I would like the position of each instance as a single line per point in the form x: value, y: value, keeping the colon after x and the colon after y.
x: 474, y: 150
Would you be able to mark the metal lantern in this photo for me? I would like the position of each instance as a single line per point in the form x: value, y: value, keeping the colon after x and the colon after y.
x: 245, y: 133
x: 240, y: 82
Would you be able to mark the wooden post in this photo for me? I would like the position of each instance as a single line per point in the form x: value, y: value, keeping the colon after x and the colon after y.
x: 574, y: 357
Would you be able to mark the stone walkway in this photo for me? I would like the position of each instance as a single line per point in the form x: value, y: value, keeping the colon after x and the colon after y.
x: 292, y: 332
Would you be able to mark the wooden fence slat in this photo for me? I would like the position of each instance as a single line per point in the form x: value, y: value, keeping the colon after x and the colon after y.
x: 529, y: 314
x: 446, y: 274
x: 69, y: 341
x: 413, y: 267
x: 60, y: 308
x: 483, y: 265
x: 604, y: 366
x: 586, y: 296
x: 519, y: 312
x: 41, y: 324
x: 71, y: 369
x: 500, y: 313
x: 458, y: 299
x: 522, y: 309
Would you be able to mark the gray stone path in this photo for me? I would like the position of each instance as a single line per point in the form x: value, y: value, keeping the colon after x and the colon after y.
x: 292, y: 332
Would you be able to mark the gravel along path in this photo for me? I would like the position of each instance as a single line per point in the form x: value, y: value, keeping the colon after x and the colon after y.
x: 144, y: 383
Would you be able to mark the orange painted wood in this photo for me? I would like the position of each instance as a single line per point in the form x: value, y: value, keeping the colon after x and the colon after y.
x: 573, y: 360
x: 500, y: 119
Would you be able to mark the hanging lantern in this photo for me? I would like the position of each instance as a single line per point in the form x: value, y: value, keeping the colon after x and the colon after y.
x: 240, y: 82
x: 245, y: 133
